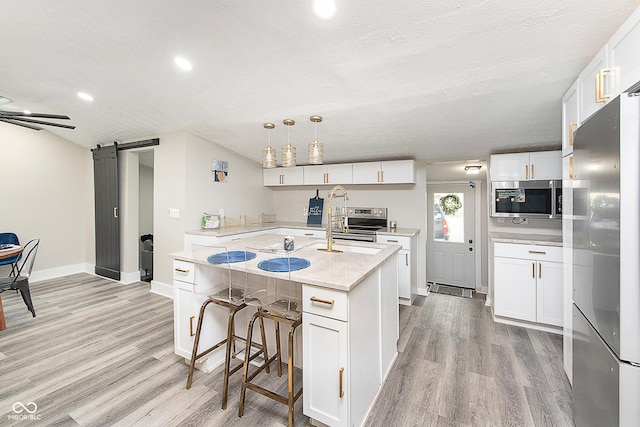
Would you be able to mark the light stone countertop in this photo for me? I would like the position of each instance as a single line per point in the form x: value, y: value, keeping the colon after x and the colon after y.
x: 230, y: 231
x: 339, y: 271
x: 527, y: 239
x: 406, y: 232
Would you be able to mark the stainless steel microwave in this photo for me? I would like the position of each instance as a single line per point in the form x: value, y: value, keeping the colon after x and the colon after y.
x: 528, y: 199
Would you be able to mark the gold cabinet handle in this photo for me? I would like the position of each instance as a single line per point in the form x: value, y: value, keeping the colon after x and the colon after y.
x: 382, y: 175
x: 539, y: 270
x: 341, y: 390
x: 391, y: 240
x: 406, y: 258
x: 572, y: 127
x: 191, y: 325
x: 182, y: 270
x: 533, y: 270
x: 538, y: 252
x: 570, y: 167
x: 526, y: 171
x: 600, y: 95
x: 378, y: 176
x: 532, y: 172
x: 322, y: 301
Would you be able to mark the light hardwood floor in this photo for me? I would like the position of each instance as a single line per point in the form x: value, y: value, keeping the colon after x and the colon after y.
x: 101, y: 353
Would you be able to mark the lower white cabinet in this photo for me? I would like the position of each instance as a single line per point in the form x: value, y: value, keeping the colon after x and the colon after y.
x: 350, y: 344
x: 528, y: 283
x: 407, y: 260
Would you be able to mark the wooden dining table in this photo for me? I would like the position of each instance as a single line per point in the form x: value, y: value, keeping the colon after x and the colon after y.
x: 7, y: 253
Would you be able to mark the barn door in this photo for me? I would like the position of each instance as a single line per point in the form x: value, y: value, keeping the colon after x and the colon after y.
x: 105, y: 181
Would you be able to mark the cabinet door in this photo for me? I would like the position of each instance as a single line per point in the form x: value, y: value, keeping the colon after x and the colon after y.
x: 398, y: 172
x: 404, y: 274
x: 569, y: 118
x: 587, y: 85
x: 293, y: 176
x: 509, y: 167
x: 623, y: 55
x: 339, y: 174
x: 326, y: 368
x: 514, y: 288
x: 550, y: 290
x: 315, y: 175
x: 545, y: 165
x: 271, y: 177
x: 318, y: 234
x: 366, y: 173
x: 185, y: 319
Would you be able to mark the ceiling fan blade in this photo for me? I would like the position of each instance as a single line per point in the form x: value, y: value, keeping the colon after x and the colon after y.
x: 39, y: 122
x: 36, y: 115
x: 11, y: 121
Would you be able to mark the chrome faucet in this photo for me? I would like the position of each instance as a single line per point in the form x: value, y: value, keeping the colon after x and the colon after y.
x: 341, y: 221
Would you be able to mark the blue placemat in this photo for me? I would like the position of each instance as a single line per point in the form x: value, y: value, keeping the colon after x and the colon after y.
x: 280, y: 265
x: 234, y: 256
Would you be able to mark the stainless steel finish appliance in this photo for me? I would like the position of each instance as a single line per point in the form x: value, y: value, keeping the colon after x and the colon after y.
x: 361, y: 224
x: 529, y: 199
x: 606, y: 267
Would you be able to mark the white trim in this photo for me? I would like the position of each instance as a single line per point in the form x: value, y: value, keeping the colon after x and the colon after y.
x: 67, y: 270
x: 529, y: 325
x: 161, y: 289
x: 130, y: 277
x: 477, y: 228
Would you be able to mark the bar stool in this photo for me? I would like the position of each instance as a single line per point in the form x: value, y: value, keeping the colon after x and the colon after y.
x: 217, y: 285
x: 279, y: 299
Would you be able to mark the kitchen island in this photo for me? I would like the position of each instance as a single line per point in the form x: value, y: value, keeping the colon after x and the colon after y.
x: 350, y: 319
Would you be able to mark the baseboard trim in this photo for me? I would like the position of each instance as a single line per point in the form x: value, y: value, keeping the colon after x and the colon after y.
x: 67, y: 270
x: 161, y: 289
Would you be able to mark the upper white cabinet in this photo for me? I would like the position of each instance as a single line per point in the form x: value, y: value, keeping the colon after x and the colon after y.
x: 541, y: 165
x: 283, y: 176
x: 389, y: 172
x: 570, y: 118
x: 328, y: 174
x: 613, y: 70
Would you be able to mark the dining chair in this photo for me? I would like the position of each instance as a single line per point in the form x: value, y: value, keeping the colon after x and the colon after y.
x: 275, y: 297
x: 19, y: 281
x: 12, y: 239
x: 215, y: 283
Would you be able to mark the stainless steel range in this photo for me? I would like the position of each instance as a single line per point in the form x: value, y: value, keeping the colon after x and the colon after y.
x: 361, y: 224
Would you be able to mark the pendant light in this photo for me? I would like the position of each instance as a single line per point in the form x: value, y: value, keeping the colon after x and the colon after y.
x: 316, y: 149
x: 288, y: 151
x: 269, y: 153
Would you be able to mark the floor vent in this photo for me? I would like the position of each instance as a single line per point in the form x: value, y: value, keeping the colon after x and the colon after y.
x: 450, y: 290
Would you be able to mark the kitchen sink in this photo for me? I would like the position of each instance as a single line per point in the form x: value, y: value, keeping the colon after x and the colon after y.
x: 352, y: 249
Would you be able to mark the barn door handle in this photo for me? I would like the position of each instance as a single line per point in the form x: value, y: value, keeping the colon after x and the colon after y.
x: 115, y: 212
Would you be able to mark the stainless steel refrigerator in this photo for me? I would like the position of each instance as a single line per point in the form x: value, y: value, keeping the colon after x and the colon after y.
x: 606, y: 266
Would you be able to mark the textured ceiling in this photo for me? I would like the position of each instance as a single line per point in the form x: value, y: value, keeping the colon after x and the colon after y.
x: 433, y: 80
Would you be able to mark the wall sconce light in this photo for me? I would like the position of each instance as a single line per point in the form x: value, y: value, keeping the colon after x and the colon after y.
x: 288, y: 151
x: 269, y: 153
x: 316, y: 149
x: 472, y: 170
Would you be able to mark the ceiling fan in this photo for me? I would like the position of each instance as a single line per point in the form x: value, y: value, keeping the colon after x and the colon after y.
x: 26, y: 120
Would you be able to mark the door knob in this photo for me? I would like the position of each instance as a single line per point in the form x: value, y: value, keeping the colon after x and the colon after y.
x: 470, y: 241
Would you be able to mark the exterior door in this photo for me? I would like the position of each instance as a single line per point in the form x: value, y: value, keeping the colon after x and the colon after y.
x: 107, y: 229
x: 451, y: 235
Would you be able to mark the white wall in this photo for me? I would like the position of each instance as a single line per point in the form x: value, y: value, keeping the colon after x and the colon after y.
x: 46, y: 185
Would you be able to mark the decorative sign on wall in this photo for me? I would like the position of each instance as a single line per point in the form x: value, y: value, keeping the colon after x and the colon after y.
x: 219, y: 170
x: 314, y: 217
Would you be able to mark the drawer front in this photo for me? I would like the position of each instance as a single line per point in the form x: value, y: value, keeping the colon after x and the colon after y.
x: 395, y: 240
x: 183, y: 271
x: 325, y: 302
x: 533, y: 252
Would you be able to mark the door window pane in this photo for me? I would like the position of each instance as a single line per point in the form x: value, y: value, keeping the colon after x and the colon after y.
x: 448, y: 217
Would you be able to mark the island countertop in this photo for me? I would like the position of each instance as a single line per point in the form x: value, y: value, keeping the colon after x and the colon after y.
x: 339, y: 271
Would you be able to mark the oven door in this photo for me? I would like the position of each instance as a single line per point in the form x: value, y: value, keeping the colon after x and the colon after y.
x: 355, y: 236
x: 530, y: 199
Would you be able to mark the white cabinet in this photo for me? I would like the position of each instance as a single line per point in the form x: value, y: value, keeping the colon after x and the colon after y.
x: 590, y: 91
x: 614, y: 69
x: 305, y: 232
x: 350, y: 343
x: 528, y: 283
x: 283, y: 176
x: 567, y: 260
x: 407, y: 261
x: 540, y: 165
x: 388, y: 172
x: 328, y: 174
x: 570, y: 118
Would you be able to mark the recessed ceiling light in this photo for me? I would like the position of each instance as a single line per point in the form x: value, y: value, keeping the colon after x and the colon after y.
x: 324, y: 9
x: 85, y: 96
x: 183, y: 63
x: 472, y: 170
